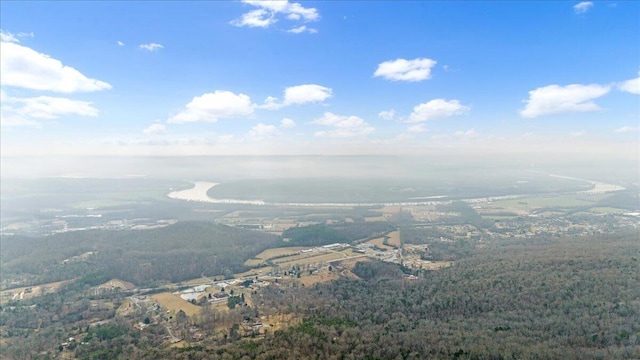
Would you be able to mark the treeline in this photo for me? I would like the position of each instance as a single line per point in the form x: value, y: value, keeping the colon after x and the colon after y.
x: 572, y: 298
x: 174, y: 253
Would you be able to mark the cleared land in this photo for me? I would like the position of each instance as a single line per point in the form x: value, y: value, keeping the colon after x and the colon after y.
x: 175, y: 303
x: 322, y: 257
x: 379, y: 242
x: 321, y: 277
x: 117, y: 283
x: 394, y: 239
x: 272, y: 253
x: 28, y: 292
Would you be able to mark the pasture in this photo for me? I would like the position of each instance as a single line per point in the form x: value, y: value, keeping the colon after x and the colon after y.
x: 272, y: 253
x: 379, y: 242
x: 315, y: 258
x: 175, y: 303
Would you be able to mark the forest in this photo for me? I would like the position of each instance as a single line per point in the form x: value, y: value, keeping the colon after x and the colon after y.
x: 571, y: 298
x: 174, y: 253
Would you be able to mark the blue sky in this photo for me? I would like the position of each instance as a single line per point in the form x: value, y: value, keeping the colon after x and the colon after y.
x: 353, y: 77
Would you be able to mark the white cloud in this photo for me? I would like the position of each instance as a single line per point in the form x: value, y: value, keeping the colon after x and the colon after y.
x: 47, y: 107
x: 632, y: 86
x: 582, y: 7
x: 405, y: 70
x: 437, y: 109
x: 155, y: 129
x: 151, y: 46
x: 287, y: 123
x: 309, y: 93
x: 387, y: 114
x: 30, y: 111
x: 8, y: 37
x: 297, y: 30
x: 308, y: 14
x: 301, y: 29
x: 255, y: 18
x: 555, y: 99
x: 24, y: 67
x: 468, y: 134
x: 120, y: 43
x: 262, y: 131
x: 213, y: 106
x: 275, y: 5
x: 576, y: 134
x: 626, y: 129
x: 271, y: 103
x: 418, y: 128
x: 265, y: 15
x: 26, y: 34
x: 300, y: 94
x: 343, y: 126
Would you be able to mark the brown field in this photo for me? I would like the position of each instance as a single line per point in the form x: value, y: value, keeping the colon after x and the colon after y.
x: 323, y: 276
x: 322, y: 257
x: 117, y: 283
x: 394, y: 239
x: 198, y: 281
x: 270, y: 253
x: 379, y: 243
x: 254, y: 272
x: 437, y: 265
x: 37, y: 290
x: 175, y: 303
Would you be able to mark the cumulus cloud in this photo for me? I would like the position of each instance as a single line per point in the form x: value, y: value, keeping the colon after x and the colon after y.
x: 120, y: 43
x: 626, y: 129
x: 631, y: 86
x: 213, y: 106
x: 8, y: 37
x: 30, y: 111
x: 256, y: 18
x: 266, y: 12
x: 155, y: 129
x: 287, y: 123
x: 556, y: 99
x: 24, y: 67
x: 342, y: 126
x: 300, y: 94
x: 309, y: 93
x: 387, y: 114
x: 301, y: 29
x: 262, y: 131
x: 151, y: 46
x: 418, y: 128
x: 405, y: 70
x: 437, y: 109
x: 582, y: 7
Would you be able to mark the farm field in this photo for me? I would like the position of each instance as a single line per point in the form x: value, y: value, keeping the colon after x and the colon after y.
x: 394, y: 239
x: 379, y: 242
x: 174, y: 303
x: 271, y: 253
x: 323, y: 276
x: 322, y: 257
x: 254, y: 272
x: 38, y: 290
